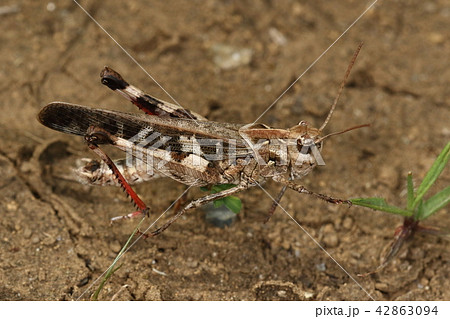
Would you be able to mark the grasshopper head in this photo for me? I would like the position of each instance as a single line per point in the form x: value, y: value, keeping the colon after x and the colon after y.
x: 309, y: 142
x: 304, y: 153
x: 306, y: 135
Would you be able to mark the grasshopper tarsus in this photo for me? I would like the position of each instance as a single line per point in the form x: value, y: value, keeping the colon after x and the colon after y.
x: 159, y: 230
x: 303, y: 190
x: 138, y: 213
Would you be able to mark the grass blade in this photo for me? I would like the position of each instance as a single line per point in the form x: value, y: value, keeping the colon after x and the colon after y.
x: 436, y: 202
x: 434, y: 172
x: 112, y: 269
x: 410, y: 187
x: 380, y: 204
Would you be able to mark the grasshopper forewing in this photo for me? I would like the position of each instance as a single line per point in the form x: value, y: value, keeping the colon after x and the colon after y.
x: 178, y: 143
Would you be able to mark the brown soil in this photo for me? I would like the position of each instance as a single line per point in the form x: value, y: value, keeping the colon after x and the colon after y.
x: 55, y: 234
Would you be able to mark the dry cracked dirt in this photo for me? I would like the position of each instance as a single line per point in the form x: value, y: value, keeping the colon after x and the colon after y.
x: 227, y: 60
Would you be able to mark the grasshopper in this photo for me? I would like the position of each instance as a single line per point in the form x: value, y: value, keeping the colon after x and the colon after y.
x: 178, y: 143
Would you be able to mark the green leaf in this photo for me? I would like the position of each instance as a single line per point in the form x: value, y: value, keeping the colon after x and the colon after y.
x: 233, y: 203
x: 435, y: 203
x: 219, y: 202
x: 410, y: 187
x: 221, y: 187
x: 434, y: 172
x: 380, y: 204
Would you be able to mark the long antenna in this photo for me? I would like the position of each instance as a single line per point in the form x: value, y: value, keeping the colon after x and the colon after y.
x: 333, y: 106
x: 341, y: 132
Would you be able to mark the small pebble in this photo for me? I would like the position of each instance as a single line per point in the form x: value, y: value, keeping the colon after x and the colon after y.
x: 41, y: 275
x: 277, y: 37
x: 229, y: 57
x: 49, y: 241
x: 219, y: 217
x: 347, y: 223
x: 4, y: 10
x: 51, y: 6
x: 424, y: 282
x: 382, y: 286
x: 429, y: 273
x: 308, y: 295
x: 321, y: 267
x: 436, y: 38
x: 115, y: 246
x: 286, y: 245
x: 331, y: 240
x: 27, y: 233
x: 191, y: 263
x: 330, y: 237
x: 12, y: 206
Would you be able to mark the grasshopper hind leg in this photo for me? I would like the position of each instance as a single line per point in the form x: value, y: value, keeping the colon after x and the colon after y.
x: 95, y: 136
